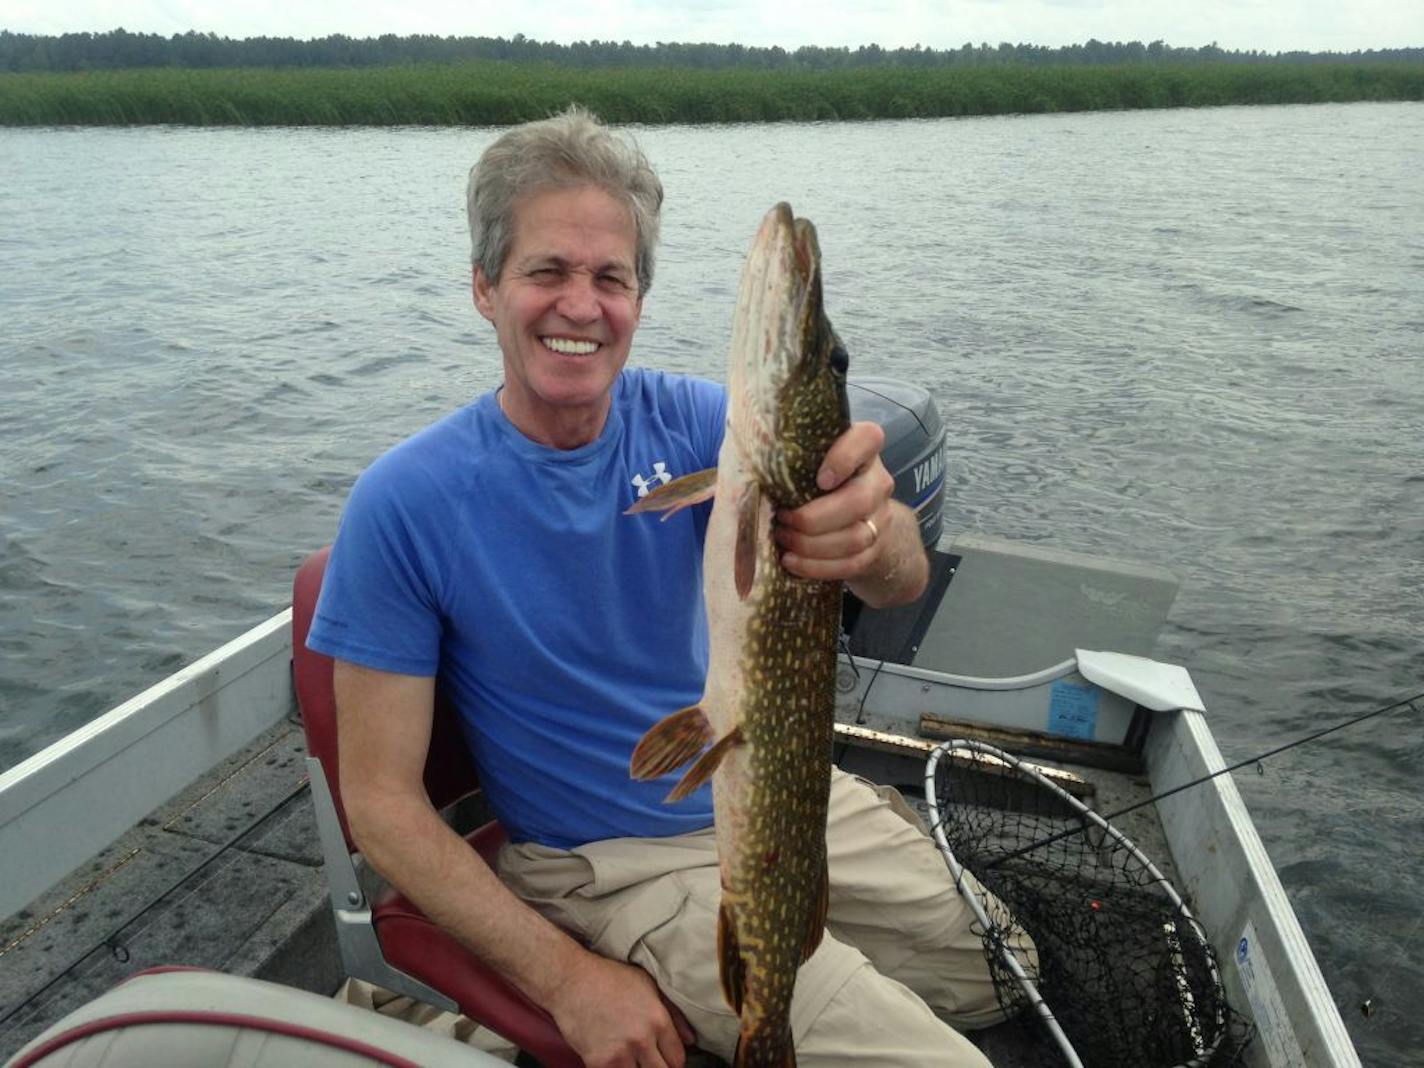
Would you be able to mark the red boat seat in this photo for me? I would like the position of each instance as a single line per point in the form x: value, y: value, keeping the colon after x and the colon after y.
x: 393, y: 944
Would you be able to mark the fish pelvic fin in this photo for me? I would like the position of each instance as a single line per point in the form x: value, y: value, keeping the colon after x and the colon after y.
x: 729, y: 961
x: 816, y: 921
x: 670, y: 743
x: 744, y: 561
x: 706, y: 764
x: 672, y: 497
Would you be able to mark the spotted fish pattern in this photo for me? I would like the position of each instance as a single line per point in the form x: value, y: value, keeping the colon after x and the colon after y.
x: 763, y: 730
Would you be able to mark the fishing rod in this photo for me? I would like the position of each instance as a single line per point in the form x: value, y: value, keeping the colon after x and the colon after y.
x: 1405, y: 702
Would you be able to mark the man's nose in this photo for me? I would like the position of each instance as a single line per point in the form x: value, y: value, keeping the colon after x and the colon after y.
x: 578, y: 300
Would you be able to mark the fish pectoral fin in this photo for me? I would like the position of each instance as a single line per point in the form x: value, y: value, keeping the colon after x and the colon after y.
x: 672, y: 497
x: 748, y: 526
x: 729, y: 957
x: 816, y: 921
x: 670, y: 743
x: 706, y: 764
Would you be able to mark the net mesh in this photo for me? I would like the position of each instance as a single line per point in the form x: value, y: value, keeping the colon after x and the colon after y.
x: 1116, y: 957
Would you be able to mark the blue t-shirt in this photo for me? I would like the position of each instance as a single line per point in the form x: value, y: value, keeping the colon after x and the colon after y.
x: 561, y: 628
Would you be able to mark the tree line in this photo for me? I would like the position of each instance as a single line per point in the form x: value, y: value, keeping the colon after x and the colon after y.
x: 120, y: 49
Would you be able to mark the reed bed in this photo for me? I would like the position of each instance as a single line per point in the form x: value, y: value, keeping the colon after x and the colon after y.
x: 492, y: 93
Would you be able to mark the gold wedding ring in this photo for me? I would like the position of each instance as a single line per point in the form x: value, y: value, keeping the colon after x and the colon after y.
x: 874, y: 530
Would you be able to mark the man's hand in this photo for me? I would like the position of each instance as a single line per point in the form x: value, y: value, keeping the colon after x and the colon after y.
x: 612, y: 1014
x: 855, y: 531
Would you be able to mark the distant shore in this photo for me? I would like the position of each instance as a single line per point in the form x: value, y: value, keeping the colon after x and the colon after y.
x: 498, y: 93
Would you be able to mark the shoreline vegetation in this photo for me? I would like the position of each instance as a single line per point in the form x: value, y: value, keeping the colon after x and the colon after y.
x: 486, y: 93
x: 119, y: 78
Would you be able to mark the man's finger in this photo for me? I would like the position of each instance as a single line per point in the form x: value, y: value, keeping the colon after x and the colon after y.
x: 672, y: 1049
x: 679, y: 1021
x: 840, y: 567
x: 860, y: 444
x: 840, y: 543
x: 859, y: 496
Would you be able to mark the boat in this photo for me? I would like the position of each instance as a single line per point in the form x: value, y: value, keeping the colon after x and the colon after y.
x: 179, y: 827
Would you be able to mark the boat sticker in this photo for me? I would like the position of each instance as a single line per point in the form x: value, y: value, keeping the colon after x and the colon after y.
x: 1072, y: 710
x: 1273, y: 1027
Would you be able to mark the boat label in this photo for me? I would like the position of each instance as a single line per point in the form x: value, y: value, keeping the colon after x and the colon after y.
x: 1072, y: 710
x: 1273, y: 1027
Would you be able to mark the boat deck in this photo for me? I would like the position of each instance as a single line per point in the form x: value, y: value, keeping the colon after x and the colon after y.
x: 227, y: 875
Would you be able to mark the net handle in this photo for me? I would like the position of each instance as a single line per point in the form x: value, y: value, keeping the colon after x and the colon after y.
x: 1001, y: 948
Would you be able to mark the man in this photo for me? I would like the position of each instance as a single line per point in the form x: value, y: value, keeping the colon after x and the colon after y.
x: 493, y: 548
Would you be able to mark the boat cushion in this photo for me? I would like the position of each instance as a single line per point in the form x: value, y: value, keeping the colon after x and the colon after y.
x: 190, y: 1018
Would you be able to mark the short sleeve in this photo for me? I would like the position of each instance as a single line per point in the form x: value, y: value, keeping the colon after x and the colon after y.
x: 379, y: 603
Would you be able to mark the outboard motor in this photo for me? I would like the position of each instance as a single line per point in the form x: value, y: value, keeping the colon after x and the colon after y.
x: 914, y: 456
x: 914, y: 445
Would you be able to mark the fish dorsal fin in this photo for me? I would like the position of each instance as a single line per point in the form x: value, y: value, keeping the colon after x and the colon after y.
x: 729, y: 957
x: 672, y: 497
x: 748, y: 518
x: 816, y: 921
x: 706, y: 764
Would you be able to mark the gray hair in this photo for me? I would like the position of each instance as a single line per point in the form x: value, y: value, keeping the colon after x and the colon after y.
x: 570, y: 149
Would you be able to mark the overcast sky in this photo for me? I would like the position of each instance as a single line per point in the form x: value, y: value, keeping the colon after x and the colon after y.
x: 1270, y: 25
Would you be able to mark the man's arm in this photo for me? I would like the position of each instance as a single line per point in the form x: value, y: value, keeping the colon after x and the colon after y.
x: 882, y: 560
x: 608, y: 1011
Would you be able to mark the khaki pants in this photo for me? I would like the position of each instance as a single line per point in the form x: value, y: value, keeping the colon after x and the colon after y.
x: 900, y: 946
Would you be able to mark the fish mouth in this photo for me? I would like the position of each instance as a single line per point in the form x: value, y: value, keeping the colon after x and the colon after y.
x: 782, y: 233
x: 783, y: 345
x: 571, y: 346
x: 780, y: 285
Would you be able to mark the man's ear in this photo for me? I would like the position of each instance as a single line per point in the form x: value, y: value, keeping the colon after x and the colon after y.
x: 484, y: 293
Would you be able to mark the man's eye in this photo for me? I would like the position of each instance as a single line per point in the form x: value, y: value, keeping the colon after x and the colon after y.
x: 546, y: 274
x: 613, y: 281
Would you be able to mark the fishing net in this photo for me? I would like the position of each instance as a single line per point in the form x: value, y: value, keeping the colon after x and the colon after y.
x: 1120, y: 973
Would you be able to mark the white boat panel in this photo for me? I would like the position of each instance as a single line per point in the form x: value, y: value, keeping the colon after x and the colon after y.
x: 75, y: 797
x: 1234, y: 890
x: 1151, y: 683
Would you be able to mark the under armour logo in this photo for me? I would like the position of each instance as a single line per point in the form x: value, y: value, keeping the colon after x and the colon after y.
x: 660, y: 477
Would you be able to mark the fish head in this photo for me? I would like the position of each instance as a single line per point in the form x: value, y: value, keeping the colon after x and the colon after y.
x: 787, y: 376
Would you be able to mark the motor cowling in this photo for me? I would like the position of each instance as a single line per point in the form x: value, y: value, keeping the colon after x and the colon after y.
x: 914, y: 445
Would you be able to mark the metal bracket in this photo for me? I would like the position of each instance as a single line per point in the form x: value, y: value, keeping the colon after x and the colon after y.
x: 355, y: 933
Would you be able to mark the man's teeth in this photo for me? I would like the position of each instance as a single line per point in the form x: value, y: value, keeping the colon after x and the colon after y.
x: 569, y: 347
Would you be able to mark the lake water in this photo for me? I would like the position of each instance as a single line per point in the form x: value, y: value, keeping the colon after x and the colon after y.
x: 1190, y: 338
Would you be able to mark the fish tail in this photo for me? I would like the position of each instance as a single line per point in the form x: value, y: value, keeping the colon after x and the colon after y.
x: 762, y: 1049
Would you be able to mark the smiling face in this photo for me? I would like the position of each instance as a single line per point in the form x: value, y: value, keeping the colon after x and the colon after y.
x: 564, y: 310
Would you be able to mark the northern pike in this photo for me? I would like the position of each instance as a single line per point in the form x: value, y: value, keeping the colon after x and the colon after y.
x: 763, y: 730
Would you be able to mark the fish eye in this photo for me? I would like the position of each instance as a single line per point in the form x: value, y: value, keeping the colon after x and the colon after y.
x: 840, y: 358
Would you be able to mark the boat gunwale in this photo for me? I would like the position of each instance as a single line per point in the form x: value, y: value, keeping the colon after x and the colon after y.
x: 101, y: 779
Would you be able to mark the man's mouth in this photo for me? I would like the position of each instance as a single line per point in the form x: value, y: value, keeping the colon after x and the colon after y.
x: 568, y: 346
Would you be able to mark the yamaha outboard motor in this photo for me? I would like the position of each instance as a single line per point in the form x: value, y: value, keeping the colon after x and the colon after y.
x: 914, y: 455
x: 914, y: 445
